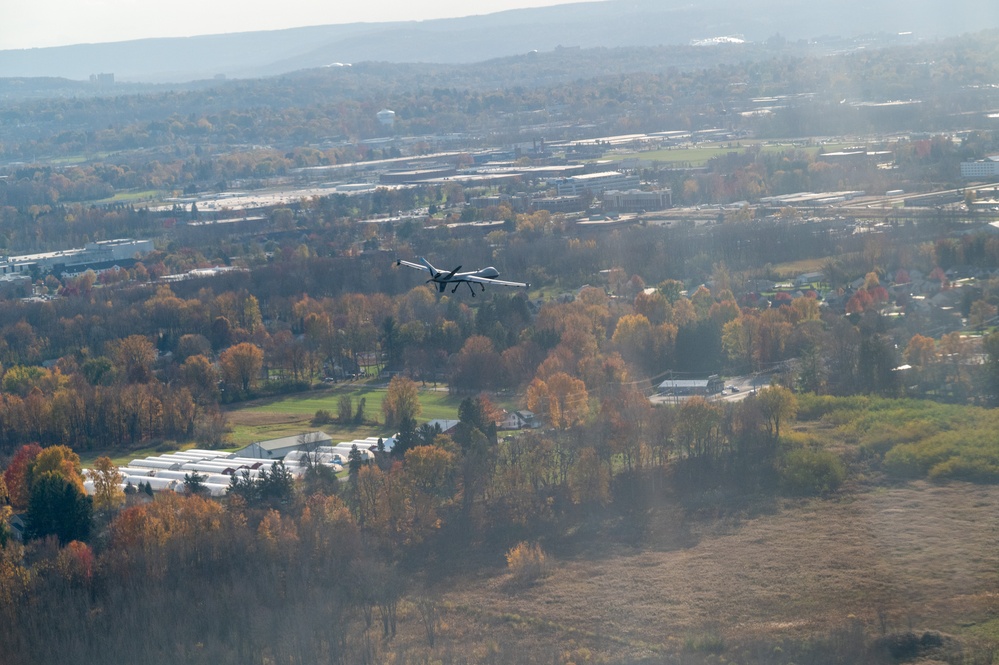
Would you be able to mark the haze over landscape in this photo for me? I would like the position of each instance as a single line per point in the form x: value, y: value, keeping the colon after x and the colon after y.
x: 608, y: 333
x: 608, y: 23
x: 49, y: 23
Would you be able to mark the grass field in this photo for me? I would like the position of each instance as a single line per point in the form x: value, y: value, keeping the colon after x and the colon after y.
x: 133, y: 197
x: 867, y: 560
x: 292, y: 414
x: 71, y: 160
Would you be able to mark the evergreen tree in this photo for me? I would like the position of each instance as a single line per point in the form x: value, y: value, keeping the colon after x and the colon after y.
x: 359, y: 413
x: 406, y: 438
x: 57, y: 507
x: 354, y: 460
x: 472, y: 418
x: 427, y: 433
x: 194, y: 483
x: 240, y: 484
x: 278, y: 484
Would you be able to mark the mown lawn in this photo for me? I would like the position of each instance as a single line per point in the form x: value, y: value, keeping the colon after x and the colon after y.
x: 292, y: 414
x: 133, y: 196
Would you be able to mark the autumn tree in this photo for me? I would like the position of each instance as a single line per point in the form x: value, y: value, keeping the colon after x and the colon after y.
x: 920, y: 351
x: 698, y: 426
x: 402, y: 400
x: 16, y: 475
x: 108, y: 494
x: 563, y: 399
x: 57, y: 460
x: 134, y: 357
x: 671, y: 289
x: 633, y: 337
x: 241, y: 365
x: 431, y: 472
x: 477, y: 366
x: 777, y: 405
x: 199, y: 375
x: 20, y: 379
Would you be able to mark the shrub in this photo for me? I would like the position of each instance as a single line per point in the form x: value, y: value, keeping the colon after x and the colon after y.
x: 167, y: 447
x: 966, y: 454
x: 709, y: 642
x: 322, y: 417
x: 807, y: 472
x: 527, y: 562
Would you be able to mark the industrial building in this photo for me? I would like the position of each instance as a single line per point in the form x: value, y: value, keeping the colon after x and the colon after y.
x: 94, y: 255
x: 596, y: 183
x: 635, y: 200
x: 983, y: 168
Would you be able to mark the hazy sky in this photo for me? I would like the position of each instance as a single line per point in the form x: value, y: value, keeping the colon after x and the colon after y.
x: 37, y: 23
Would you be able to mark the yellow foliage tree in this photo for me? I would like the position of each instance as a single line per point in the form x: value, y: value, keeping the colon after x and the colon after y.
x: 562, y: 398
x: 59, y: 460
x: 241, y: 365
x: 402, y: 400
x: 527, y: 562
x: 108, y: 495
x: 777, y: 405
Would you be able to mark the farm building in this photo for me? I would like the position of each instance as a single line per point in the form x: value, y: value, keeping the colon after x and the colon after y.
x: 517, y: 420
x: 216, y: 469
x: 447, y: 426
x: 709, y: 386
x: 276, y: 449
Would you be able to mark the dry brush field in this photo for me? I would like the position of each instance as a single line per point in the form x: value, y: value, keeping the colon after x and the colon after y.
x: 913, y: 557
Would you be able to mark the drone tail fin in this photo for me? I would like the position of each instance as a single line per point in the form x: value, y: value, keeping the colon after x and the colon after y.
x: 433, y: 271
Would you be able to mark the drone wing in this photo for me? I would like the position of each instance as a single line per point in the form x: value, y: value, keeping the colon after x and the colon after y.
x: 410, y: 264
x: 499, y: 282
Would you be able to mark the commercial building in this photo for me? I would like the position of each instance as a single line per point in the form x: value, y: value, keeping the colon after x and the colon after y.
x: 559, y: 203
x: 635, y: 200
x: 682, y: 387
x: 596, y: 183
x: 983, y: 168
x: 94, y: 255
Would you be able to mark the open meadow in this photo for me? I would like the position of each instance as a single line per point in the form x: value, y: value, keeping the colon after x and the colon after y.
x: 802, y: 578
x: 289, y: 415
